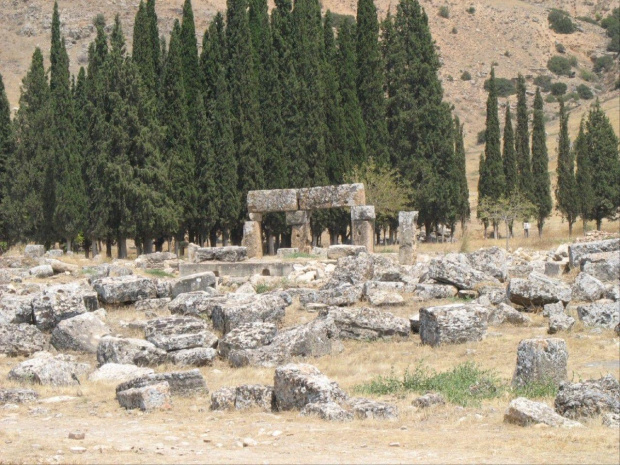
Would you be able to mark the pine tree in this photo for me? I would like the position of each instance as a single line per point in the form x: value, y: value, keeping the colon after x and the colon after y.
x: 370, y: 81
x: 65, y: 187
x: 584, y: 176
x: 243, y: 85
x: 463, y: 210
x: 603, y: 147
x: 522, y: 143
x: 22, y: 203
x: 566, y: 194
x: 541, y: 183
x: 177, y: 150
x: 511, y: 173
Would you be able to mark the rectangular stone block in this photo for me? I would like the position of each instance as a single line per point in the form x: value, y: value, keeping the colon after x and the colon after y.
x: 453, y: 324
x: 301, y: 237
x: 253, y: 239
x: 363, y: 233
x: 363, y: 213
x: 256, y: 216
x: 145, y: 398
x: 576, y: 252
x: 277, y: 200
x: 297, y: 217
x: 407, y: 237
x: 193, y: 283
x: 343, y: 195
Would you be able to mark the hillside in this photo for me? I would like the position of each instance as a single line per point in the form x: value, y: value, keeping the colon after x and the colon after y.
x: 512, y: 35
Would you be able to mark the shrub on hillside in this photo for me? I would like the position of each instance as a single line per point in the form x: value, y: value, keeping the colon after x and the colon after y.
x: 551, y: 98
x: 481, y: 137
x: 558, y: 88
x: 444, y: 11
x: 471, y: 10
x: 560, y: 48
x: 544, y: 82
x: 466, y: 76
x: 559, y: 65
x: 612, y: 24
x: 584, y: 92
x: 587, y: 75
x: 505, y: 87
x: 560, y: 22
x: 604, y: 63
x: 587, y: 19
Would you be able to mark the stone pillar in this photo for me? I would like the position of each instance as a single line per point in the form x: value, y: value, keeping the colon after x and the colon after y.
x: 301, y: 237
x: 253, y: 239
x: 407, y: 237
x: 363, y: 226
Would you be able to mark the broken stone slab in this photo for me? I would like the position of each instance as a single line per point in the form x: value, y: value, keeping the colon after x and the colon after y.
x: 34, y: 250
x: 352, y: 270
x: 152, y: 305
x: 16, y: 309
x: 334, y: 252
x: 17, y: 396
x: 129, y: 351
x: 156, y: 260
x: 453, y: 324
x: 603, y: 314
x: 179, y: 332
x: 588, y: 288
x: 269, y: 307
x: 193, y: 283
x: 504, y: 313
x: 118, y: 372
x: 367, y: 323
x: 560, y: 322
x: 428, y: 400
x: 223, y: 399
x: 525, y: 412
x: 50, y: 308
x: 607, y: 270
x: 182, y: 383
x: 491, y: 261
x: 552, y: 309
x: 577, y: 251
x: 124, y: 289
x: 538, y: 290
x: 41, y: 271
x: 81, y: 333
x: 367, y: 409
x: 455, y: 269
x: 588, y: 398
x: 343, y: 195
x: 199, y: 303
x: 343, y: 295
x: 276, y: 200
x: 435, y: 291
x: 61, y: 267
x: 611, y: 420
x: 407, y: 222
x: 296, y: 385
x: 284, y: 252
x: 145, y: 398
x: 329, y: 411
x: 254, y: 396
x: 21, y: 340
x: 194, y: 357
x: 230, y: 254
x: 371, y: 287
x: 47, y: 369
x: 385, y: 299
x: 554, y: 269
x: 246, y: 337
x: 540, y: 361
x: 317, y: 338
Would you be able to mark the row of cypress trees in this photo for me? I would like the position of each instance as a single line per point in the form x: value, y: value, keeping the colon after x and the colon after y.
x: 167, y: 141
x: 515, y: 169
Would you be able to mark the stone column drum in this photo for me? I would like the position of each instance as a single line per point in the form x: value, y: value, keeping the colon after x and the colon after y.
x: 253, y: 239
x: 363, y: 226
x: 301, y: 237
x: 406, y: 236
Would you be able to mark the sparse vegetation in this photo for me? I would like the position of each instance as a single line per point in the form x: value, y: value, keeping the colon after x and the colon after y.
x: 560, y: 22
x: 444, y: 11
x: 481, y: 137
x: 558, y: 88
x: 559, y: 65
x: 584, y: 92
x: 551, y: 98
x: 587, y: 75
x: 261, y: 288
x: 560, y: 48
x: 471, y: 10
x: 454, y: 30
x: 466, y: 76
x: 544, y: 82
x: 612, y: 24
x: 587, y: 19
x: 604, y: 63
x: 159, y: 273
x: 505, y: 87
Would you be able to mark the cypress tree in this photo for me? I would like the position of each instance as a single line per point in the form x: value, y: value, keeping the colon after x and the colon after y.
x: 213, y: 56
x: 143, y: 48
x: 460, y: 174
x: 307, y: 53
x: 511, y: 174
x: 177, y: 150
x: 190, y: 60
x: 243, y: 84
x: 540, y: 166
x: 566, y: 194
x: 22, y: 203
x: 522, y: 144
x: 65, y: 187
x: 370, y: 81
x: 156, y: 43
x: 603, y: 147
x: 7, y: 141
x: 496, y: 182
x: 482, y: 190
x: 584, y: 176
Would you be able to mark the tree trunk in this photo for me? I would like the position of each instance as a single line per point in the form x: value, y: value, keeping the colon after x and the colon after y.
x: 540, y: 228
x: 122, y: 247
x: 599, y: 222
x: 108, y: 247
x: 147, y: 245
x: 570, y: 228
x: 507, y: 234
x: 225, y: 237
x: 94, y: 247
x: 485, y: 226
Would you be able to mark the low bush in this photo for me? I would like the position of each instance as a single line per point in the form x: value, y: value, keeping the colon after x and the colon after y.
x: 444, y: 11
x: 471, y: 10
x: 560, y: 48
x: 559, y: 65
x: 544, y: 82
x: 505, y: 87
x: 587, y: 75
x: 587, y: 19
x: 560, y: 22
x: 551, y: 98
x: 604, y: 63
x: 558, y: 88
x: 584, y: 92
x: 466, y: 76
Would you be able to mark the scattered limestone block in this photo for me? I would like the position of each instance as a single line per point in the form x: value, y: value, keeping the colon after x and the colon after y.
x: 193, y: 283
x: 453, y: 324
x: 343, y: 195
x: 151, y: 397
x: 124, y: 289
x: 276, y: 200
x: 588, y: 398
x: 525, y: 412
x: 541, y: 361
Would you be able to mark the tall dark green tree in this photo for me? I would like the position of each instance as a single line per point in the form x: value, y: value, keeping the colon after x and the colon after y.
x: 65, y: 185
x: 522, y: 141
x: 509, y: 155
x: 156, y: 46
x: 244, y: 90
x: 7, y: 141
x: 603, y: 145
x: 213, y: 56
x: 143, y: 50
x: 541, y: 183
x: 177, y: 150
x: 22, y: 203
x: 584, y: 175
x: 482, y: 189
x: 370, y: 80
x: 566, y: 193
x: 463, y: 211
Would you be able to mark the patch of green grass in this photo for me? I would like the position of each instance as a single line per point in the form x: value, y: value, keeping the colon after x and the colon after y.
x: 467, y: 384
x: 261, y: 288
x: 387, y: 250
x: 159, y: 273
x: 300, y: 255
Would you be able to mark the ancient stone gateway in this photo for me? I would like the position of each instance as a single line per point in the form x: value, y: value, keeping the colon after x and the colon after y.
x: 299, y: 204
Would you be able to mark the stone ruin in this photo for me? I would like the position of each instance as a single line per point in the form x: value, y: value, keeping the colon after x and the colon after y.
x: 298, y: 205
